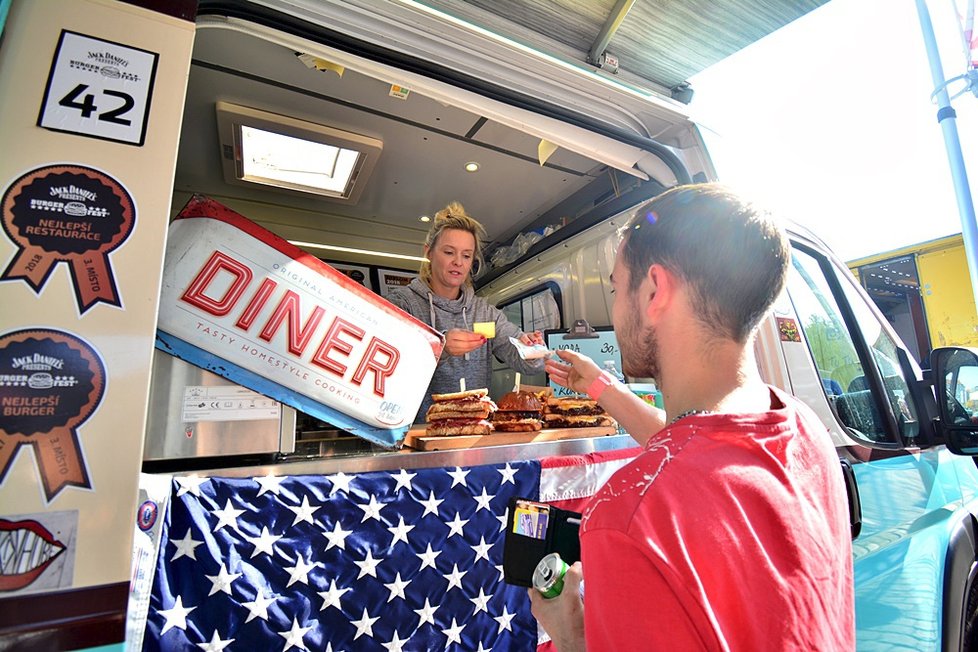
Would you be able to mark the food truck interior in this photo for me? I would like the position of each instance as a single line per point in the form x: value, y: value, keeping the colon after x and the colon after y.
x: 417, y: 152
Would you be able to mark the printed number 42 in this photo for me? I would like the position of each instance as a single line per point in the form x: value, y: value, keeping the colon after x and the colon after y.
x: 86, y: 104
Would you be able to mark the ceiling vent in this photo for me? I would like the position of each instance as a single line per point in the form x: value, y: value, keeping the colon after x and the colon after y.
x: 259, y: 147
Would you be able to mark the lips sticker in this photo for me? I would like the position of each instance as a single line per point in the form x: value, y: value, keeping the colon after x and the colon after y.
x: 27, y: 549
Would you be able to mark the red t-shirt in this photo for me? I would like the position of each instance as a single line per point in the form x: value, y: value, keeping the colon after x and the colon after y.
x: 728, y: 532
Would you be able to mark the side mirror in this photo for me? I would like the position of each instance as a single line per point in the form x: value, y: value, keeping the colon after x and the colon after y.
x: 956, y: 390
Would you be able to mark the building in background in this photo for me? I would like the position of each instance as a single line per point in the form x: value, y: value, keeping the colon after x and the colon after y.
x: 924, y: 291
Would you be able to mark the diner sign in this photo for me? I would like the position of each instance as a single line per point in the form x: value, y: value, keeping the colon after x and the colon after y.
x: 247, y: 305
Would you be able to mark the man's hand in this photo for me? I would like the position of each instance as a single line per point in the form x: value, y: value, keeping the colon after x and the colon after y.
x: 562, y: 617
x: 460, y: 342
x: 576, y: 372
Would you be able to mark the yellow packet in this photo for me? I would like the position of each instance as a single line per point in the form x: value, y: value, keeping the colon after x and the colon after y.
x: 487, y: 328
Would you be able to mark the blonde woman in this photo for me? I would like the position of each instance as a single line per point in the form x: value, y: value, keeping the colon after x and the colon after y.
x: 443, y: 297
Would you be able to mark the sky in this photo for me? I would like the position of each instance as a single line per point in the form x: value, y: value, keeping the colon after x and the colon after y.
x: 829, y: 122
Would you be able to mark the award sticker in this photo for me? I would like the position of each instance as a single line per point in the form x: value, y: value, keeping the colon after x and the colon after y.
x: 72, y: 214
x: 50, y: 383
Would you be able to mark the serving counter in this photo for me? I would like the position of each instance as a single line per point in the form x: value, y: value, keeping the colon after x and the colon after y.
x: 357, y: 551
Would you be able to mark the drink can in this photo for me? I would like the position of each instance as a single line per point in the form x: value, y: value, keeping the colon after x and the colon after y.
x: 548, y: 578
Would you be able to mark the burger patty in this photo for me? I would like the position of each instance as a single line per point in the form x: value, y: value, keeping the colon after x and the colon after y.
x: 515, y: 415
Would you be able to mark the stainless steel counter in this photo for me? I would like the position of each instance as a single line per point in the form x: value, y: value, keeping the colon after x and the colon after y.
x: 408, y: 459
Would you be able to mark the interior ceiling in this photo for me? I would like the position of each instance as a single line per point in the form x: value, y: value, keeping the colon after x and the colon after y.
x: 427, y: 143
x: 660, y: 41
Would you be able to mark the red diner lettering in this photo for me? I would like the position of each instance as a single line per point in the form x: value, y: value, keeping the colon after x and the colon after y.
x: 256, y: 304
x: 196, y: 292
x: 332, y: 341
x: 370, y: 363
x: 299, y: 336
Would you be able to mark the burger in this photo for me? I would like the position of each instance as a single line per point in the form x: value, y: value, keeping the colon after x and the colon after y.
x: 518, y: 412
x: 576, y: 412
x: 460, y: 413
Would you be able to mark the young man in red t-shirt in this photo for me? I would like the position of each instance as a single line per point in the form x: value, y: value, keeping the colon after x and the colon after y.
x: 730, y: 531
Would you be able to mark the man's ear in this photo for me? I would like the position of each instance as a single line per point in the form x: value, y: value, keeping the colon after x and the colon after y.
x: 661, y: 284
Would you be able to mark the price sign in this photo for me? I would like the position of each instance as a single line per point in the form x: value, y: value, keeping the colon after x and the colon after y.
x: 98, y: 88
x: 600, y: 348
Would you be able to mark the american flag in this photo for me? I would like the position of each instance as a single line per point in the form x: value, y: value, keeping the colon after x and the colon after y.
x: 384, y: 560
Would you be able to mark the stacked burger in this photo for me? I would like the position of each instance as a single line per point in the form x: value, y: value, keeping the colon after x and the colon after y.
x: 576, y: 412
x: 460, y: 413
x: 518, y: 412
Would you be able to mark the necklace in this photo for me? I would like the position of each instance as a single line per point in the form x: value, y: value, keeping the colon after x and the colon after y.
x: 688, y: 413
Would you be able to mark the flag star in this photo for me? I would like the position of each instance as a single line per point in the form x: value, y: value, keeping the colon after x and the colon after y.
x: 499, y: 568
x: 300, y: 572
x: 397, y: 588
x: 329, y: 647
x: 509, y: 475
x: 482, y: 602
x: 340, y: 481
x: 456, y: 526
x: 337, y: 537
x: 483, y: 500
x: 264, y: 542
x: 293, y: 637
x: 331, y: 597
x: 403, y: 479
x: 185, y: 547
x: 190, y: 484
x: 428, y: 558
x: 222, y: 581
x: 176, y: 616
x: 365, y: 625
x: 483, y: 649
x: 215, y: 644
x: 303, y: 512
x: 503, y: 519
x: 369, y: 565
x: 458, y: 476
x: 271, y: 484
x: 258, y: 608
x: 227, y: 516
x: 431, y: 505
x: 504, y: 620
x: 371, y: 509
x: 454, y: 633
x: 400, y: 531
x: 482, y: 549
x: 427, y: 613
x: 455, y: 577
x: 395, y: 644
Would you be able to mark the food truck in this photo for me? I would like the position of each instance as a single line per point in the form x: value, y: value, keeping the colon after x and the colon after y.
x: 204, y: 441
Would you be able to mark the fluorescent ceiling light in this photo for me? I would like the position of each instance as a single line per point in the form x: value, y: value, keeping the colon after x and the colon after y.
x: 350, y: 250
x: 292, y: 154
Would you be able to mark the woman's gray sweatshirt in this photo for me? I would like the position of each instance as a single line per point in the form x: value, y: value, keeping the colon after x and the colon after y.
x: 444, y: 314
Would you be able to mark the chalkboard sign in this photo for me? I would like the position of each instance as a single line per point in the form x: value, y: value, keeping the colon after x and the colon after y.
x: 601, y: 347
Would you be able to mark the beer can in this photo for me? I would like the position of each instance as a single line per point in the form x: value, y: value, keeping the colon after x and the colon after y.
x: 548, y: 577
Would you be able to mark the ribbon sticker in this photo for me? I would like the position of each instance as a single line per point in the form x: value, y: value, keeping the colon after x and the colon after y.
x: 50, y: 383
x: 67, y: 213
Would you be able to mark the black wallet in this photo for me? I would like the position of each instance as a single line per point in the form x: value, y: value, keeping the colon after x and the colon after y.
x: 534, y: 530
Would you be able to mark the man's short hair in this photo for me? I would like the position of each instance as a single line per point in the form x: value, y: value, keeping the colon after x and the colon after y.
x: 732, y: 255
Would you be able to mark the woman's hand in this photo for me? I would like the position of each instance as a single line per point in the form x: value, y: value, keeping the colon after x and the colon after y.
x: 575, y: 372
x: 536, y: 337
x: 460, y: 342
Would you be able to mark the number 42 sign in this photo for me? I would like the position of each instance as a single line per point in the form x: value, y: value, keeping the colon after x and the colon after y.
x: 98, y: 88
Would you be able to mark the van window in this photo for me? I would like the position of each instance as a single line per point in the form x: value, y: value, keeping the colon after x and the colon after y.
x: 537, y: 311
x: 833, y: 348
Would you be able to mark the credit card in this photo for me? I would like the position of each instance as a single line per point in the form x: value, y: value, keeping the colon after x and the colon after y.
x: 487, y: 328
